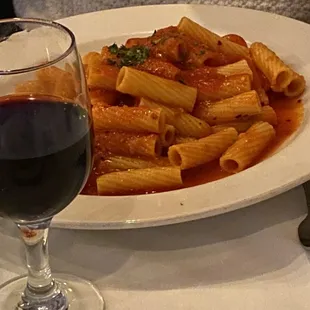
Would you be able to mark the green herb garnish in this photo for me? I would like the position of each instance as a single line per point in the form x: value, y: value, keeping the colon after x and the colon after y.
x: 113, y: 49
x: 202, y: 52
x: 130, y: 56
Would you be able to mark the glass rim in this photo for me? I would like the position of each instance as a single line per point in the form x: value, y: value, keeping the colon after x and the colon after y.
x: 43, y: 22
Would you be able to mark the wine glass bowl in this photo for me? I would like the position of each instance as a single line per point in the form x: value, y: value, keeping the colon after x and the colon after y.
x: 46, y: 144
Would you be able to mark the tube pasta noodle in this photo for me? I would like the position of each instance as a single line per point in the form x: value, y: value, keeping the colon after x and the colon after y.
x: 184, y: 123
x: 231, y: 86
x: 296, y: 86
x: 129, y: 144
x: 160, y: 68
x: 233, y: 109
x: 247, y: 148
x: 276, y: 71
x: 166, y: 137
x: 257, y: 83
x: 237, y: 68
x: 52, y: 74
x: 142, y: 84
x: 140, y: 180
x: 120, y: 163
x: 168, y: 112
x: 33, y: 87
x: 192, y: 154
x: 92, y: 59
x: 217, y: 43
x: 188, y: 125
x: 128, y: 119
x: 50, y: 81
x: 103, y: 77
x: 212, y: 40
x: 267, y: 114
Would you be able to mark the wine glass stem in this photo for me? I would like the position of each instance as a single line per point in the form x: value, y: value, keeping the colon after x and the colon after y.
x: 40, y: 282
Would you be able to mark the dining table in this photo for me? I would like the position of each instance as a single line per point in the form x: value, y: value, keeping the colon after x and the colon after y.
x: 249, y: 259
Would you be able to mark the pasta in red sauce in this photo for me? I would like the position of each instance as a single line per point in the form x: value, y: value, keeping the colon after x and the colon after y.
x: 218, y: 86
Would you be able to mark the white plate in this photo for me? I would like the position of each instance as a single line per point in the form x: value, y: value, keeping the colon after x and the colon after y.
x: 289, y: 167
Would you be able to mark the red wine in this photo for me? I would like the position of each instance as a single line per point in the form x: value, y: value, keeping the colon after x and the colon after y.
x: 45, y: 156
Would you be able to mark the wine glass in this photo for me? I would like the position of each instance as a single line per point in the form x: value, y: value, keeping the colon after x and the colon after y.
x: 45, y: 154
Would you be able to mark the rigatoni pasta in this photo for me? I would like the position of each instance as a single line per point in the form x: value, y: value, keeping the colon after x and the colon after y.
x: 150, y: 179
x: 230, y: 86
x: 50, y: 81
x: 160, y: 68
x: 34, y: 87
x: 128, y: 119
x: 168, y: 112
x: 233, y: 109
x: 222, y: 45
x: 142, y: 84
x: 167, y: 136
x: 92, y: 59
x: 267, y: 114
x: 189, y: 126
x: 278, y: 74
x: 128, y: 144
x: 193, y: 154
x: 248, y: 147
x: 214, y: 41
x: 214, y: 87
x: 103, y: 77
x: 296, y: 86
x: 209, y: 97
x: 237, y: 68
x: 185, y: 124
x: 121, y: 163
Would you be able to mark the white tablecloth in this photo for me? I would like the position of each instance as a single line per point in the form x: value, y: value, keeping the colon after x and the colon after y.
x: 248, y: 259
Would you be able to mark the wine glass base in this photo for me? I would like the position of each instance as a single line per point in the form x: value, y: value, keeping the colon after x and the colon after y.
x: 80, y: 294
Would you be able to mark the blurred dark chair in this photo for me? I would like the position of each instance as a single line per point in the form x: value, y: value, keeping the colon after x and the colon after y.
x: 6, y: 9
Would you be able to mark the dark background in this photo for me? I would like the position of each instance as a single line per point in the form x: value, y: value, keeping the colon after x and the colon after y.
x: 6, y: 9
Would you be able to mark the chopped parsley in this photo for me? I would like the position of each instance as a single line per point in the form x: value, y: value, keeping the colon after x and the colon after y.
x: 129, y: 56
x: 113, y: 49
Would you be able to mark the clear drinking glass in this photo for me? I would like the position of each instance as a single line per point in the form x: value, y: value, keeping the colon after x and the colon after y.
x: 45, y: 154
